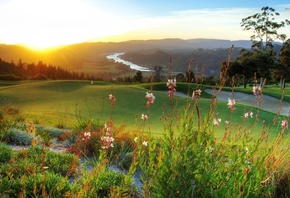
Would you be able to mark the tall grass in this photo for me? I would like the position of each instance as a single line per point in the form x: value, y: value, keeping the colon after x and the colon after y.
x: 190, y: 161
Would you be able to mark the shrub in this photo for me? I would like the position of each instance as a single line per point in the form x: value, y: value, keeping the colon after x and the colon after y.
x: 5, y: 153
x: 54, y: 132
x: 18, y: 136
x: 61, y: 163
x: 107, y: 180
x: 19, y: 168
x: 44, y: 136
x: 35, y: 158
x: 99, y: 183
x: 45, y: 185
x: 10, y: 187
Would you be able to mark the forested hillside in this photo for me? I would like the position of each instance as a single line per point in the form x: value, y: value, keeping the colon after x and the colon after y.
x: 90, y: 58
x: 209, y: 59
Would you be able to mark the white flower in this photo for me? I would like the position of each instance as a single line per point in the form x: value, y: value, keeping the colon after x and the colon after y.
x: 135, y: 139
x: 145, y: 143
x: 196, y: 93
x: 246, y: 115
x: 216, y: 122
x: 144, y: 117
x: 87, y: 134
x: 284, y: 124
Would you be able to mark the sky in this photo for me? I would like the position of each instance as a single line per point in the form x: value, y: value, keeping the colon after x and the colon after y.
x: 48, y: 23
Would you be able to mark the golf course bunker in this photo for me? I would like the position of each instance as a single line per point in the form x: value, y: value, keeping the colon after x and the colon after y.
x: 269, y: 103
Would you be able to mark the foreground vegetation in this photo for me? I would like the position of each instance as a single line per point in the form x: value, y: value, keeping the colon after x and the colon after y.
x: 177, y: 146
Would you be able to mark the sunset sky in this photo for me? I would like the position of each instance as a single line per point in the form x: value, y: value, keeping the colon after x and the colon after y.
x: 46, y: 23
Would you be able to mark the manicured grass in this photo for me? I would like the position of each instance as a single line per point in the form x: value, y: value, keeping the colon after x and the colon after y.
x: 65, y: 102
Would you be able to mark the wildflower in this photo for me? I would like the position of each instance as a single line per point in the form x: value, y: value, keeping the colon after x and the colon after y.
x: 227, y: 122
x: 135, y: 139
x: 171, y: 84
x: 246, y: 115
x: 284, y: 124
x: 196, y: 93
x: 231, y: 104
x: 256, y: 90
x: 87, y: 136
x: 144, y: 117
x: 107, y: 139
x: 112, y: 98
x: 216, y: 122
x: 107, y: 142
x: 145, y: 143
x: 150, y: 98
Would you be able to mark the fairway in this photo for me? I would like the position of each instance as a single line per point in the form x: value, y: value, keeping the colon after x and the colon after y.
x: 67, y: 102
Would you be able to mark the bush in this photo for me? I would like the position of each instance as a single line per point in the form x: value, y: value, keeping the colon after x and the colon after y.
x: 61, y: 163
x: 18, y: 136
x: 36, y: 185
x: 5, y: 153
x: 99, y: 183
x: 10, y: 187
x: 35, y: 158
x: 54, y: 132
x: 47, y: 185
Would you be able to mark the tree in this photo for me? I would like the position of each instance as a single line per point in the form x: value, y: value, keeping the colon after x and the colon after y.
x: 242, y: 66
x: 138, y: 77
x: 261, y: 60
x: 282, y: 69
x: 264, y: 27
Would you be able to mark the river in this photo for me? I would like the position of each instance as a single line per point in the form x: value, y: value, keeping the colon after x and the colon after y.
x: 116, y: 58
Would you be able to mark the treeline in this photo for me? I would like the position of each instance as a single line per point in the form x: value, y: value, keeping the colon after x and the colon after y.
x: 39, y: 71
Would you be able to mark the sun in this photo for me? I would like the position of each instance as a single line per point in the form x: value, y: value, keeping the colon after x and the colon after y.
x: 42, y: 24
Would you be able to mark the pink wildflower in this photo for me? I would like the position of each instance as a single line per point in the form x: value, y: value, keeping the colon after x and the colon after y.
x: 112, y: 98
x: 227, y: 122
x: 150, y: 98
x: 284, y: 124
x: 216, y: 121
x: 171, y: 84
x: 107, y: 139
x: 231, y: 104
x: 144, y: 117
x: 246, y: 115
x: 196, y: 93
x: 256, y: 90
x: 87, y: 136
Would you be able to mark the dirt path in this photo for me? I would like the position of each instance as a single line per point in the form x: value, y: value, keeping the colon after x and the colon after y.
x: 268, y: 103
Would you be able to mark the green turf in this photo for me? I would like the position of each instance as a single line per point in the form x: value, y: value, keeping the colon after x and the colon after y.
x: 56, y: 102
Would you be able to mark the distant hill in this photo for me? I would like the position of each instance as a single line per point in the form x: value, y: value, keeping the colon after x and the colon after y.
x: 75, y: 56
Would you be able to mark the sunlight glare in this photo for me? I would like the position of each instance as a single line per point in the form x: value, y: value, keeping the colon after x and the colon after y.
x: 42, y: 24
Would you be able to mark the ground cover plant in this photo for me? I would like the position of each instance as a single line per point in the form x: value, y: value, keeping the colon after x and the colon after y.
x: 192, y: 146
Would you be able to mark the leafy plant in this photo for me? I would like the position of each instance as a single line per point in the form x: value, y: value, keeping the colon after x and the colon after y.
x: 18, y: 136
x: 45, y: 185
x: 5, y: 153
